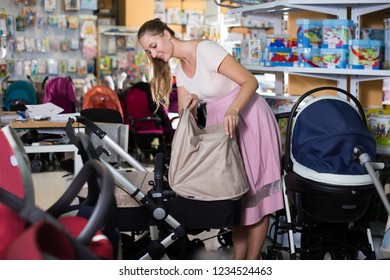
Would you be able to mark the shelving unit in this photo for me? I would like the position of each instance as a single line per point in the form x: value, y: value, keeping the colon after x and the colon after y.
x: 274, y: 11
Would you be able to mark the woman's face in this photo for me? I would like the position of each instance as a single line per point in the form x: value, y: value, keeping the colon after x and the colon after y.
x: 158, y: 46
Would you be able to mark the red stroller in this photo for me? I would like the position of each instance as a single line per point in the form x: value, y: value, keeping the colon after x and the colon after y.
x: 146, y: 123
x: 27, y: 232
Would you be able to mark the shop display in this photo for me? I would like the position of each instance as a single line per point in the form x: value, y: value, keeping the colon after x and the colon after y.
x: 119, y: 52
x: 51, y: 37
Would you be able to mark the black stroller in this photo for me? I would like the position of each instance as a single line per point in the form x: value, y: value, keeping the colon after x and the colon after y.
x: 327, y: 190
x: 157, y: 219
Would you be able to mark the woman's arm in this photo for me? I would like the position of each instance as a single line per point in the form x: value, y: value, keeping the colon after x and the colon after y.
x: 187, y: 100
x: 230, y: 68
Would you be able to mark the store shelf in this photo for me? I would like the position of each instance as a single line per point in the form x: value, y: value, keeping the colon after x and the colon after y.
x: 326, y: 71
x: 333, y: 7
x: 348, y: 9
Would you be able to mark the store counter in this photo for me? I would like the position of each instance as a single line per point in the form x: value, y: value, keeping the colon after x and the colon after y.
x: 50, y: 148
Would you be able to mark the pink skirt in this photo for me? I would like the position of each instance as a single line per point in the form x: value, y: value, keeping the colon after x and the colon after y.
x: 260, y: 145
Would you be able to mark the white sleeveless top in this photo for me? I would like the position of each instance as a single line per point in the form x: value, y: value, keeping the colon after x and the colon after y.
x: 207, y: 83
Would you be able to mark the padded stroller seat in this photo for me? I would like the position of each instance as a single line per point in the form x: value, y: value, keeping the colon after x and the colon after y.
x: 322, y: 177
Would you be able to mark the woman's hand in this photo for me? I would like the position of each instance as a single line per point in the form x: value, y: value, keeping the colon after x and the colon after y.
x: 231, y: 122
x: 190, y: 101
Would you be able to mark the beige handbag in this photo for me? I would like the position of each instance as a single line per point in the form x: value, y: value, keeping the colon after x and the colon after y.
x: 205, y: 163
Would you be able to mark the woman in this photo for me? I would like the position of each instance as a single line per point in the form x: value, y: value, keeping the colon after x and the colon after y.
x: 207, y: 73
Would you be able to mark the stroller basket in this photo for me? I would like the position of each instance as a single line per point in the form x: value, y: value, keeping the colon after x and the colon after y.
x: 322, y: 177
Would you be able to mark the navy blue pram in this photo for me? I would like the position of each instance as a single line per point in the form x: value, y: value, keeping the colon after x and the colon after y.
x: 326, y: 188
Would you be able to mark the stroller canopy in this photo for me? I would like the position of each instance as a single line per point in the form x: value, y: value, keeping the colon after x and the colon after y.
x: 324, y: 134
x: 61, y: 92
x: 20, y: 91
x: 102, y: 96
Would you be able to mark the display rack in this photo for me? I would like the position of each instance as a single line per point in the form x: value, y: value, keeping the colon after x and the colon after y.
x: 50, y: 42
x: 274, y: 11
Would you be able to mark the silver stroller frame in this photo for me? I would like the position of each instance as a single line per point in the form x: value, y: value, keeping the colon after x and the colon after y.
x: 157, y: 248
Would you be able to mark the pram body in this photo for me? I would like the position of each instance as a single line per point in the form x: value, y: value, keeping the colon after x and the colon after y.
x: 327, y: 191
x: 145, y: 202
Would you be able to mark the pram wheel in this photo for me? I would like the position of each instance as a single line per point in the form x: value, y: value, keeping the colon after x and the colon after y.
x: 272, y: 255
x: 225, y: 237
x: 36, y: 165
x: 329, y: 255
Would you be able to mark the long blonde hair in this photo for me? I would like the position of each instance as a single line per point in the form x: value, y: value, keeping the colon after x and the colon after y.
x: 161, y: 82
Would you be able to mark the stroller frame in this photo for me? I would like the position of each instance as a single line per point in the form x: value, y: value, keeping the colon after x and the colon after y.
x: 290, y: 226
x: 157, y: 247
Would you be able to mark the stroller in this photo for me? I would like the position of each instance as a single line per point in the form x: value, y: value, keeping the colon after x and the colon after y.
x: 327, y: 191
x: 27, y: 232
x: 61, y: 92
x: 102, y: 96
x: 146, y: 121
x: 18, y: 94
x: 156, y: 217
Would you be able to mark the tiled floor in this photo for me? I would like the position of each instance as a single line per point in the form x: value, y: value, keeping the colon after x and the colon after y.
x: 49, y: 186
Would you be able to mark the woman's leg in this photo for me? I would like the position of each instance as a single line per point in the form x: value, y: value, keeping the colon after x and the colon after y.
x: 249, y: 240
x: 256, y: 235
x: 240, y: 245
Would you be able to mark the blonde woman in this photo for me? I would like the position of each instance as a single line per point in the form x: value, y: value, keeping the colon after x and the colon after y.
x: 207, y: 73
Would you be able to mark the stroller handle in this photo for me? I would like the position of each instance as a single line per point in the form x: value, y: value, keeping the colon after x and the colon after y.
x: 294, y: 109
x: 32, y: 214
x: 85, y: 121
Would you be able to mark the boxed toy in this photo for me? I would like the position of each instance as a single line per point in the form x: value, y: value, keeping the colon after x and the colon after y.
x: 309, y: 33
x: 334, y: 58
x: 251, y: 52
x: 336, y: 33
x: 380, y: 128
x: 281, y: 58
x: 281, y: 43
x: 378, y: 122
x: 309, y: 57
x: 364, y: 54
x: 372, y: 34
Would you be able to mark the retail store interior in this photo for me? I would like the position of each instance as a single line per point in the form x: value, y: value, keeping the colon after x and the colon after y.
x: 88, y: 51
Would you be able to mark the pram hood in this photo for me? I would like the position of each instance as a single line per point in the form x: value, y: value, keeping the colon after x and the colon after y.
x: 324, y: 133
x: 61, y: 92
x: 23, y: 90
x: 102, y: 96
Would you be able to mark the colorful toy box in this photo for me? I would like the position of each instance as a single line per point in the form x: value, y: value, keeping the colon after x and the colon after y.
x: 279, y: 43
x: 251, y: 52
x: 378, y: 121
x: 334, y: 58
x: 309, y: 33
x: 364, y: 54
x: 380, y: 129
x: 309, y: 57
x: 372, y: 34
x: 336, y: 33
x: 282, y: 58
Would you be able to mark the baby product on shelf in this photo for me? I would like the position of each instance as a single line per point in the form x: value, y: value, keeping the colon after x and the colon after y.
x: 364, y: 54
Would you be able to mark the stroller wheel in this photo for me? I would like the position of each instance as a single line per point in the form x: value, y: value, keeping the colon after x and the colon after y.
x: 225, y: 237
x: 329, y: 255
x: 36, y: 165
x: 274, y: 255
